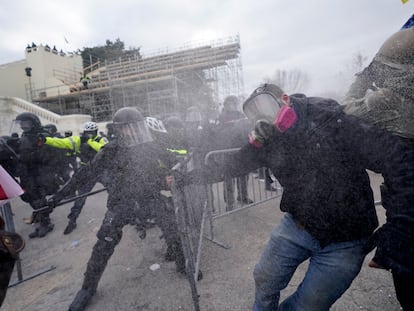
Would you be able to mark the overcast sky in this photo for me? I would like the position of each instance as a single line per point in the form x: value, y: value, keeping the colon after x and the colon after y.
x: 318, y: 37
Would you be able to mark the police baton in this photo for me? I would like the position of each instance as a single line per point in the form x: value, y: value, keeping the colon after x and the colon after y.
x: 63, y: 202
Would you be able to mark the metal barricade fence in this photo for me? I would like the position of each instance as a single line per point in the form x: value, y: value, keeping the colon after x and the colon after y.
x: 236, y: 194
x: 197, y: 203
x: 190, y: 203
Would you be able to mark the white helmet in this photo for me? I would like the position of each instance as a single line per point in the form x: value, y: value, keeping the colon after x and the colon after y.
x: 155, y: 124
x: 90, y: 126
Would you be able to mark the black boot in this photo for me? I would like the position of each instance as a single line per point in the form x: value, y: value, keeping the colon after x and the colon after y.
x: 170, y: 254
x: 44, y: 227
x: 271, y: 188
x: 246, y: 200
x: 179, y: 257
x: 83, y: 297
x: 41, y: 231
x: 34, y: 234
x: 70, y: 227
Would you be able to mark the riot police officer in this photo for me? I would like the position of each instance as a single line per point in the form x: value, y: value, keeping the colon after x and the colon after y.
x: 37, y: 175
x: 137, y: 167
x: 61, y: 161
x: 84, y: 146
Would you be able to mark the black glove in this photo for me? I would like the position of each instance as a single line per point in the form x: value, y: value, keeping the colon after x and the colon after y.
x: 84, y: 139
x: 180, y: 178
x: 53, y: 201
x: 41, y: 139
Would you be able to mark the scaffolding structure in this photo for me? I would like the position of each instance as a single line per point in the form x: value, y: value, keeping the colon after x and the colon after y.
x: 159, y: 84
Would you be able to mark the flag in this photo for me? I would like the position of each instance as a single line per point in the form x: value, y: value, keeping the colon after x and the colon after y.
x: 409, y: 23
x: 9, y: 188
x: 404, y: 1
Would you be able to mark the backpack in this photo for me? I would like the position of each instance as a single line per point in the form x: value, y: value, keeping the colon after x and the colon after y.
x: 11, y: 243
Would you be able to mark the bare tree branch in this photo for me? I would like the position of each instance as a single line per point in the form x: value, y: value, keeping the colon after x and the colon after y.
x: 291, y: 81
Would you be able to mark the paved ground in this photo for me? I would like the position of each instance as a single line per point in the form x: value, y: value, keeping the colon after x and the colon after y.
x: 129, y: 284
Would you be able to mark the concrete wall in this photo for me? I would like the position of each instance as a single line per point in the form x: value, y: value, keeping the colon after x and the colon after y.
x: 13, y: 79
x: 10, y: 107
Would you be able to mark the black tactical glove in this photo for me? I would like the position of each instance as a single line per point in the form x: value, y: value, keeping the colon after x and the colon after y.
x: 41, y: 139
x: 53, y: 201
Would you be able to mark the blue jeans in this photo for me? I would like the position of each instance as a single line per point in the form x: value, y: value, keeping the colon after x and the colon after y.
x: 330, y: 273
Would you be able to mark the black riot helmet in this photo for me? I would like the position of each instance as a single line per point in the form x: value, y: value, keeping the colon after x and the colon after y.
x: 51, y: 129
x: 28, y: 122
x: 174, y: 126
x: 130, y: 128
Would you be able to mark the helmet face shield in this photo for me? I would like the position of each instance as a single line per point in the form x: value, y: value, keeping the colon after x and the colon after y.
x: 26, y: 122
x: 132, y: 134
x: 21, y: 126
x: 262, y: 106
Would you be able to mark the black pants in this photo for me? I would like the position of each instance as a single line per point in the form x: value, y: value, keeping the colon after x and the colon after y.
x: 6, y: 270
x: 36, y: 189
x: 404, y: 289
x: 79, y: 203
x: 228, y: 193
x: 110, y: 234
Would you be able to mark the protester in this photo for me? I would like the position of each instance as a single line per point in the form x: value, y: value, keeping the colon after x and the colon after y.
x: 383, y: 95
x: 320, y: 156
x: 11, y: 243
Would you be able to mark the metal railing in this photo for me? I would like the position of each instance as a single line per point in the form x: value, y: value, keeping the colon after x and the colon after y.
x: 197, y: 204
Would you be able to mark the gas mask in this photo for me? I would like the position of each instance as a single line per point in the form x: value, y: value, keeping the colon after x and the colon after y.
x: 265, y: 109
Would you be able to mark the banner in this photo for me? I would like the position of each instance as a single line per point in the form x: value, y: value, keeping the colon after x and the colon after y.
x: 9, y: 188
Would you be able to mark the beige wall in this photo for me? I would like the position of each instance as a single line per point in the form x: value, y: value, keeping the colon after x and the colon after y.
x: 52, y: 74
x: 13, y: 79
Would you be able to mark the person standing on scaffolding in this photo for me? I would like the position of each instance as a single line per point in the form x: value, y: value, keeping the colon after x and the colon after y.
x: 85, y: 80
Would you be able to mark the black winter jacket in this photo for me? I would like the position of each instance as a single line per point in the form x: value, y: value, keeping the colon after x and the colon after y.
x: 131, y: 175
x: 321, y: 163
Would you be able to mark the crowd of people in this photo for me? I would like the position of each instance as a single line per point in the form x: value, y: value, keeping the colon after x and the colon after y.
x: 318, y: 149
x: 51, y: 167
